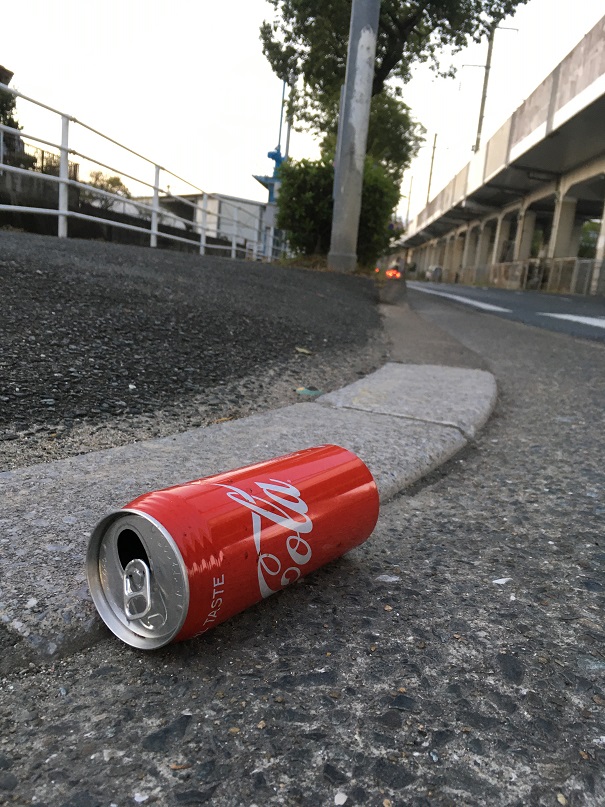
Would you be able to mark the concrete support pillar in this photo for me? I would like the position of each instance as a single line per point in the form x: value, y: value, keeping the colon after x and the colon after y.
x: 416, y: 256
x: 430, y: 255
x: 447, y: 255
x: 457, y: 250
x: 466, y: 248
x: 441, y: 253
x: 502, y: 233
x: 470, y: 243
x: 525, y: 233
x: 474, y: 249
x: 483, y: 242
x: 562, y: 228
x: 423, y: 264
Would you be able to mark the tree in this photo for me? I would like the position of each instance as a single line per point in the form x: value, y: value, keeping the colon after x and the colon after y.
x: 104, y: 182
x: 308, y: 38
x: 13, y: 145
x: 305, y: 207
x: 8, y: 107
x: 306, y: 45
x: 589, y: 238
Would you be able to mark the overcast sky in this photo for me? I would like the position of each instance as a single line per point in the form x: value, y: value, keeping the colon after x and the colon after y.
x: 185, y: 83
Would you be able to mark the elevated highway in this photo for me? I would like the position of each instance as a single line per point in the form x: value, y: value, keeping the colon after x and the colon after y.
x: 513, y: 216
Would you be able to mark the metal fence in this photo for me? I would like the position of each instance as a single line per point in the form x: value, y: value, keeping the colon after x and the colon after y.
x: 554, y: 275
x: 210, y: 223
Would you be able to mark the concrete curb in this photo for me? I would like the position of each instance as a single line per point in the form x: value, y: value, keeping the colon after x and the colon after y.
x: 403, y: 421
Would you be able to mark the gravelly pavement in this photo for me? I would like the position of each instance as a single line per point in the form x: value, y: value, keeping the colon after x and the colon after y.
x: 105, y: 344
x: 457, y: 658
x: 507, y: 554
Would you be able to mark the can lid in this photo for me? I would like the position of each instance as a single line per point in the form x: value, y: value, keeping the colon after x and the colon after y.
x: 137, y: 579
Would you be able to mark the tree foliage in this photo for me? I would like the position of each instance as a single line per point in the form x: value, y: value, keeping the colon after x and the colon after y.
x: 8, y: 117
x: 110, y: 184
x: 589, y: 238
x: 8, y: 107
x: 305, y: 207
x: 308, y: 38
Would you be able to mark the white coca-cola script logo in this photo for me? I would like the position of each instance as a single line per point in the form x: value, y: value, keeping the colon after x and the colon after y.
x: 281, y: 504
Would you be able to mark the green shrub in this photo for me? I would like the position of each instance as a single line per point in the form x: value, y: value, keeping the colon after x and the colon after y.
x: 305, y: 208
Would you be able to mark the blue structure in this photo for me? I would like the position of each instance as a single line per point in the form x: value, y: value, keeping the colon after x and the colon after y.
x: 270, y: 182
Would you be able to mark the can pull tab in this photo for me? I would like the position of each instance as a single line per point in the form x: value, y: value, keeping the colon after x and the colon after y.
x: 137, y: 589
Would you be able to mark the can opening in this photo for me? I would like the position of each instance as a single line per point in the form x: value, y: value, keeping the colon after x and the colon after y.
x: 137, y: 578
x: 130, y: 547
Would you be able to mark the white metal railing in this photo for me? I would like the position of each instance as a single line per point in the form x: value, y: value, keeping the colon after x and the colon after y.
x: 211, y: 223
x: 554, y: 275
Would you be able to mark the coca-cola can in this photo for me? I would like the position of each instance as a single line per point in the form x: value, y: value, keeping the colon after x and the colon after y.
x: 175, y: 563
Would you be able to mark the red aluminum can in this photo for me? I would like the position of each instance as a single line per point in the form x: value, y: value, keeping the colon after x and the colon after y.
x: 176, y: 562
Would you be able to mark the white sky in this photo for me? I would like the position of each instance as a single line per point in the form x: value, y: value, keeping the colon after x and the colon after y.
x: 185, y: 84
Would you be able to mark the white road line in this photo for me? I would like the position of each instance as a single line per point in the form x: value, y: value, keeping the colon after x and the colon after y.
x: 458, y: 299
x: 596, y: 322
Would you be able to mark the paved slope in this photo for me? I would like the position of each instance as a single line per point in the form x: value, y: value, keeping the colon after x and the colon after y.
x: 103, y: 344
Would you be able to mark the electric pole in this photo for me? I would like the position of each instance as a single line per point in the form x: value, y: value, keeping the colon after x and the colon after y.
x: 407, y: 215
x: 488, y: 64
x: 353, y: 134
x: 428, y: 190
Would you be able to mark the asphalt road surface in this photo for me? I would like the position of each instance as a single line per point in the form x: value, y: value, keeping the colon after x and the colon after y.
x: 455, y: 659
x: 575, y: 315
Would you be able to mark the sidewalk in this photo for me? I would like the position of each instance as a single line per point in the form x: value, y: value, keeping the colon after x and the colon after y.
x: 404, y: 420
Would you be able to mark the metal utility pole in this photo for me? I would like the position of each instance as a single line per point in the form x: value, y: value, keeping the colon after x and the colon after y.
x: 353, y: 134
x: 488, y: 65
x: 288, y: 130
x: 341, y: 115
x: 281, y: 114
x: 428, y: 190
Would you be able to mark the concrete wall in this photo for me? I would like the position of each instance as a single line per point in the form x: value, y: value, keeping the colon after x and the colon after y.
x: 532, y: 113
x: 459, y: 187
x: 582, y: 66
x: 497, y: 151
x: 32, y: 190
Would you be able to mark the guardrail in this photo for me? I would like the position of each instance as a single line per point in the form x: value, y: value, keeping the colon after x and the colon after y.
x: 210, y: 223
x: 554, y: 275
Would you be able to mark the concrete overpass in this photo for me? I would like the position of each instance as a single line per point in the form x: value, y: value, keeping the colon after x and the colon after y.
x: 513, y: 216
